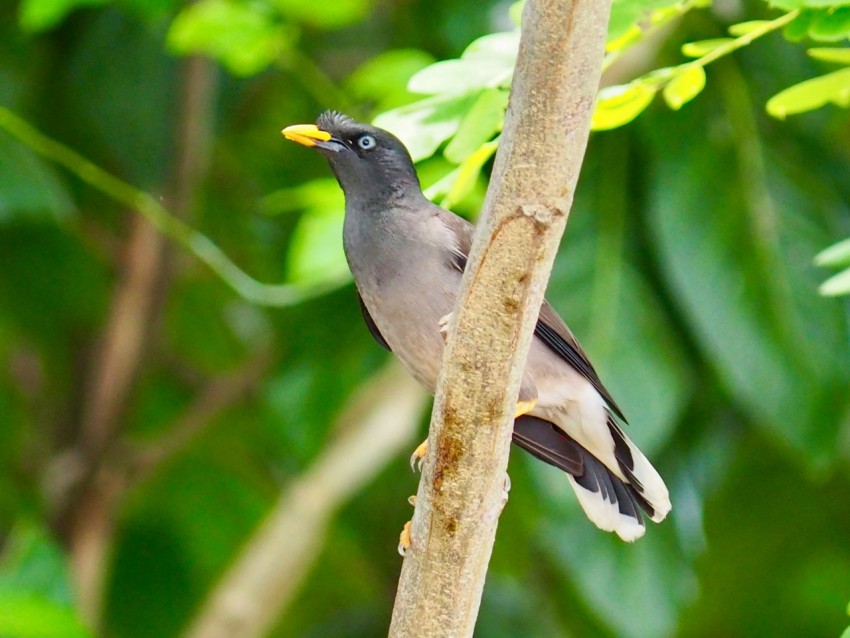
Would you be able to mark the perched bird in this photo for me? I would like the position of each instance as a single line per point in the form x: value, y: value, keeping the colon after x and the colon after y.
x: 407, y: 256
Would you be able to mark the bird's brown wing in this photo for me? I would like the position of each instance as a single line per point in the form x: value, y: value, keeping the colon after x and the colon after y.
x: 550, y: 328
x: 370, y: 323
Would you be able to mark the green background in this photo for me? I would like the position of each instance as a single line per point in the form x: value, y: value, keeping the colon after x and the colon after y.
x: 686, y: 271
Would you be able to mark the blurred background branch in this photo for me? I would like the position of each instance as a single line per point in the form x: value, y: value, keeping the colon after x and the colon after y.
x: 162, y: 220
x: 379, y: 422
x: 87, y: 515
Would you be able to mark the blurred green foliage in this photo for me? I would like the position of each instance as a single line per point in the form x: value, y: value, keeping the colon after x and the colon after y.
x: 687, y: 272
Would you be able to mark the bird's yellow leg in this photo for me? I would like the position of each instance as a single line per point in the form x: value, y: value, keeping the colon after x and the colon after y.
x: 418, y: 456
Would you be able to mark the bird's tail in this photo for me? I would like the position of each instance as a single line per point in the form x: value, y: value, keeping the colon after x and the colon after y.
x: 611, y: 503
x: 639, y: 473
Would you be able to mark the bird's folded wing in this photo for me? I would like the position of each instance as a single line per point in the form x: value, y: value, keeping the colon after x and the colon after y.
x: 370, y: 323
x: 550, y: 329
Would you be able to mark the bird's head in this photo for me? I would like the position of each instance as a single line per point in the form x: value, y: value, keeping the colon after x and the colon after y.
x: 369, y: 163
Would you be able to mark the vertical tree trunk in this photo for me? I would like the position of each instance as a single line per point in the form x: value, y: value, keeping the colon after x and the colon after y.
x: 461, y: 493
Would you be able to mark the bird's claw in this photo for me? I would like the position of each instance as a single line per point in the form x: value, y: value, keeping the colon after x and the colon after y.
x: 418, y: 456
x: 443, y: 324
x: 404, y: 539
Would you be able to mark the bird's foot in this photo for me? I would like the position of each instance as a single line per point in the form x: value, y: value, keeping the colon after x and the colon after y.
x: 524, y: 407
x: 443, y: 324
x: 418, y: 456
x: 404, y: 539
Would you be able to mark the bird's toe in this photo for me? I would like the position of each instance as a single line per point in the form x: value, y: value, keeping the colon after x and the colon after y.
x: 404, y: 539
x: 418, y: 456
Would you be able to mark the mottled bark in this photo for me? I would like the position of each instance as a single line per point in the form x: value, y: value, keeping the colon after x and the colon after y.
x: 461, y: 493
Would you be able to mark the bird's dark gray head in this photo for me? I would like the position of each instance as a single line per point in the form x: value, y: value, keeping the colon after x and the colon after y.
x: 371, y: 164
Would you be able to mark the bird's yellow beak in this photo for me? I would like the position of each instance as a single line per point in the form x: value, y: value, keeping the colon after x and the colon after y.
x: 306, y: 134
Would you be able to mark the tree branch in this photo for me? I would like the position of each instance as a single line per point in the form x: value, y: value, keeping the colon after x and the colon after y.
x: 88, y: 503
x: 379, y: 421
x: 461, y: 493
x: 88, y: 509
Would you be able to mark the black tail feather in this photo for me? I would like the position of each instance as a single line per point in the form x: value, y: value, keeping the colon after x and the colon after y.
x: 550, y: 444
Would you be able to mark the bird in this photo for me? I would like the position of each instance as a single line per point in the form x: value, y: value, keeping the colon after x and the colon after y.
x: 407, y: 256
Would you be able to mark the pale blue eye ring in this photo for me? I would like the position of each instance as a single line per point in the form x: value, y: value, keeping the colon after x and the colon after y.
x: 366, y: 142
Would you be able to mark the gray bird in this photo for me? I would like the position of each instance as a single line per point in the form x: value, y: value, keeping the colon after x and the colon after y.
x: 407, y: 256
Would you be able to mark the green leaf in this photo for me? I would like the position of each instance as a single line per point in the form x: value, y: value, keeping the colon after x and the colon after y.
x: 619, y: 105
x: 791, y: 5
x: 746, y: 295
x: 24, y: 615
x: 663, y: 74
x: 828, y: 24
x: 155, y: 11
x: 486, y: 63
x: 812, y: 94
x: 326, y: 15
x: 41, y: 15
x: 836, y: 255
x: 652, y: 381
x: 832, y: 25
x: 627, y: 14
x: 641, y: 359
x: 243, y: 37
x: 467, y: 173
x: 837, y: 55
x: 35, y: 594
x: 442, y: 186
x: 322, y: 193
x: 684, y: 87
x: 836, y: 285
x: 426, y: 124
x: 315, y: 249
x: 382, y: 80
x: 798, y: 28
x: 627, y: 39
x: 743, y: 28
x: 33, y: 562
x: 478, y: 126
x: 460, y: 76
x: 704, y: 47
x: 661, y: 581
x: 515, y: 12
x: 502, y: 47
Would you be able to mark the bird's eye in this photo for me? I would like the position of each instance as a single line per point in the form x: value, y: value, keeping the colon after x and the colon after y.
x: 366, y: 142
